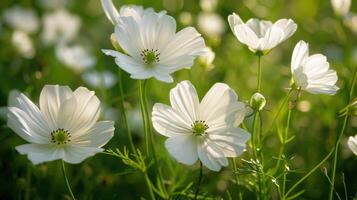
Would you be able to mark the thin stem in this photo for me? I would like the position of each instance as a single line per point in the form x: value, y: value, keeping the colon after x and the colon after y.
x: 199, y: 182
x: 122, y: 110
x: 308, y: 174
x: 259, y: 74
x: 66, y: 180
x: 338, y: 139
x: 255, y: 135
x: 234, y: 163
x: 149, y: 185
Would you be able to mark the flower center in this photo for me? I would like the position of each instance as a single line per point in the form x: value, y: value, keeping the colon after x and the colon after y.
x: 199, y: 128
x: 150, y: 56
x: 60, y: 136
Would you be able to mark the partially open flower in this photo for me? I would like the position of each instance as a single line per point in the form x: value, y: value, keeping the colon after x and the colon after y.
x: 206, y: 130
x: 64, y: 127
x: 257, y: 101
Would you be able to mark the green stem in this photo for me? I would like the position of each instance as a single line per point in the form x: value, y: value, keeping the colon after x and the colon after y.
x: 66, y: 180
x: 281, y: 106
x: 122, y: 110
x: 235, y: 169
x: 149, y: 185
x: 259, y: 74
x: 254, y: 146
x: 308, y: 174
x: 338, y: 139
x: 199, y: 182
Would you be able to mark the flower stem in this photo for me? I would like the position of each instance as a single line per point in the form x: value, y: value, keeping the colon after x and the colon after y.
x: 234, y: 166
x: 308, y: 174
x: 122, y: 110
x: 66, y: 180
x: 339, y: 136
x: 199, y: 181
x: 149, y: 185
x: 259, y: 73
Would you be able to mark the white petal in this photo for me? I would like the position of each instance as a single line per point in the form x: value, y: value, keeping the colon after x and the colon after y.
x: 169, y: 122
x: 97, y: 136
x: 246, y: 36
x: 76, y: 154
x: 25, y: 127
x: 183, y: 149
x: 288, y: 26
x: 51, y: 98
x: 163, y: 77
x: 260, y: 27
x: 322, y: 89
x: 272, y: 38
x: 234, y: 20
x: 184, y: 99
x: 316, y: 65
x: 352, y: 144
x: 110, y: 11
x: 39, y: 153
x: 211, y: 158
x: 300, y: 53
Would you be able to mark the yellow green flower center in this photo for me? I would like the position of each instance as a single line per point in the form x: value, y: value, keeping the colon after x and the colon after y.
x: 60, y: 136
x: 150, y: 56
x: 199, y: 128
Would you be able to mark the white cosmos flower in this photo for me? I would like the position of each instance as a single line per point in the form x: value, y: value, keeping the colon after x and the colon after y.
x: 206, y: 130
x: 63, y: 127
x: 125, y: 11
x: 312, y: 73
x: 59, y: 27
x: 341, y: 7
x: 22, y: 19
x: 23, y: 44
x: 75, y: 57
x: 260, y: 35
x: 154, y: 48
x: 211, y: 24
x: 352, y: 144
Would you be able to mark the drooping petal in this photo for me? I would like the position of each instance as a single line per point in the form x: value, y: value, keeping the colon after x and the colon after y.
x: 110, y: 11
x: 76, y: 154
x: 97, y: 136
x: 51, y: 98
x: 184, y: 99
x: 169, y: 122
x: 183, y: 148
x: 39, y: 153
x: 300, y: 53
x: 210, y: 156
x: 24, y: 126
x: 352, y: 144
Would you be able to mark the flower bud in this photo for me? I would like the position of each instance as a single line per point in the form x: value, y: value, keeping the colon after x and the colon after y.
x: 257, y: 101
x: 206, y: 60
x: 115, y: 43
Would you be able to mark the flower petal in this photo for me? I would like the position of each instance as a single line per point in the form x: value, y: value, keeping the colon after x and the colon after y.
x: 39, y: 153
x: 210, y: 156
x: 76, y: 154
x: 260, y: 27
x: 272, y: 38
x: 110, y: 11
x: 169, y: 122
x: 246, y: 36
x: 288, y: 26
x: 182, y: 148
x: 234, y: 20
x: 300, y: 53
x: 97, y: 136
x: 352, y: 144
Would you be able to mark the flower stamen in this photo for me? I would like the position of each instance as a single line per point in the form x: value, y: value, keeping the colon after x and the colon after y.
x: 199, y: 128
x: 60, y: 136
x: 150, y: 56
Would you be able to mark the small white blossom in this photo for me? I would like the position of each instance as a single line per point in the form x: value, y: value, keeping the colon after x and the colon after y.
x: 312, y: 73
x: 63, y: 127
x: 23, y: 44
x: 260, y: 35
x: 206, y: 130
x: 22, y: 19
x: 211, y: 24
x: 341, y: 7
x: 75, y: 57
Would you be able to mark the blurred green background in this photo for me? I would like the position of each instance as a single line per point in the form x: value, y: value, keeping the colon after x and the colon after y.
x: 103, y: 177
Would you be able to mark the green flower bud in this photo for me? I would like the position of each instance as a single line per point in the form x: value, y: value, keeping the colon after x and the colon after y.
x: 257, y: 101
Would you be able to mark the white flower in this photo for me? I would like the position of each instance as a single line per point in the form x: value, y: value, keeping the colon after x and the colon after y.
x: 95, y: 79
x: 211, y: 24
x: 352, y: 144
x: 21, y: 19
x: 63, y: 127
x: 341, y: 7
x: 75, y: 57
x: 206, y: 130
x: 260, y: 35
x: 153, y: 46
x: 23, y: 44
x: 60, y: 27
x: 125, y: 11
x: 312, y: 73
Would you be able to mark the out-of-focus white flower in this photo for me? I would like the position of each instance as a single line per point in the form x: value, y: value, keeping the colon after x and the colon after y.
x: 125, y: 11
x: 312, y: 73
x: 341, y: 7
x: 153, y: 46
x: 352, y: 144
x: 23, y: 44
x: 206, y: 130
x: 22, y: 19
x: 101, y: 79
x: 207, y: 59
x: 350, y: 20
x: 63, y: 127
x: 211, y: 24
x: 75, y: 57
x: 259, y: 35
x: 60, y: 27
x: 208, y: 5
x: 185, y: 18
